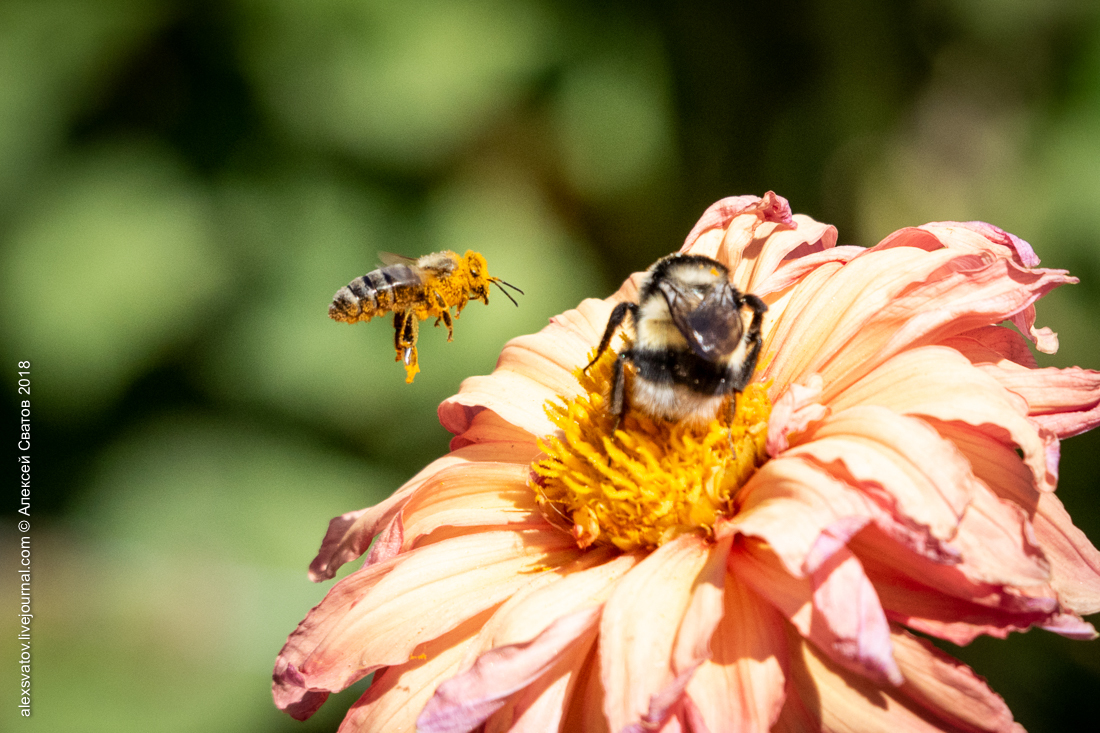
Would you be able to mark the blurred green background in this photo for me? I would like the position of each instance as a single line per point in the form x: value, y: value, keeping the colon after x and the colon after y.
x: 183, y: 186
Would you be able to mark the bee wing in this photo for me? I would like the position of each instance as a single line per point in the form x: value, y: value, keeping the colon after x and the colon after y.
x: 712, y: 324
x: 389, y: 258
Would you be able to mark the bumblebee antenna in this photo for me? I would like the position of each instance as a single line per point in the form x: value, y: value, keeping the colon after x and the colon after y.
x: 500, y: 284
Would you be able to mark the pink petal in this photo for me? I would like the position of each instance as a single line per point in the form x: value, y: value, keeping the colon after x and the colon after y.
x: 835, y: 311
x: 996, y: 464
x: 941, y: 600
x: 349, y: 535
x: 773, y: 245
x: 586, y: 582
x: 1074, y: 561
x: 953, y: 233
x: 836, y: 608
x: 827, y: 698
x: 795, y: 409
x: 1065, y: 401
x: 992, y: 344
x: 719, y: 215
x: 938, y: 382
x: 496, y: 494
x: 373, y: 619
x: 643, y: 651
x: 541, y: 707
x: 790, y: 272
x: 899, y: 461
x: 466, y: 701
x: 789, y: 502
x: 531, y: 370
x: 488, y: 427
x: 740, y: 689
x: 398, y: 693
x: 948, y: 688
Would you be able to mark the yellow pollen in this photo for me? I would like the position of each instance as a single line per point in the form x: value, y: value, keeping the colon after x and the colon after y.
x: 654, y: 480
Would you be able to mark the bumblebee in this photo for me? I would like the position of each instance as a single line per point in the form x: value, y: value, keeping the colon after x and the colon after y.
x: 416, y: 289
x: 691, y: 346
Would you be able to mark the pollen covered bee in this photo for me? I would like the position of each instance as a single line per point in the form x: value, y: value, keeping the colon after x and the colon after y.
x: 416, y: 289
x: 692, y: 347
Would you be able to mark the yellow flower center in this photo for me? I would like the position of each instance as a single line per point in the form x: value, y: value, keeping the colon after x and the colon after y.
x: 648, y: 481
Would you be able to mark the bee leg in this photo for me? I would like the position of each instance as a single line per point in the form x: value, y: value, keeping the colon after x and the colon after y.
x: 407, y: 329
x: 729, y: 433
x: 613, y: 322
x: 446, y: 318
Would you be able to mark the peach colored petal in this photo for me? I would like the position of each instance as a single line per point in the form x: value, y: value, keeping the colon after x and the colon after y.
x: 948, y: 688
x: 795, y: 409
x: 790, y: 272
x: 938, y: 382
x: 1065, y: 401
x: 899, y: 461
x: 639, y: 629
x: 586, y: 582
x: 836, y: 607
x: 996, y: 464
x: 839, y: 308
x: 712, y: 235
x: 488, y: 427
x: 531, y: 370
x: 740, y: 689
x: 773, y: 244
x: 962, y: 233
x: 827, y: 698
x: 941, y: 600
x: 496, y: 494
x: 466, y: 701
x: 349, y: 535
x: 430, y: 590
x: 789, y: 502
x: 541, y: 706
x: 1074, y: 561
x: 992, y: 344
x: 965, y: 293
x: 397, y: 694
x: 585, y: 710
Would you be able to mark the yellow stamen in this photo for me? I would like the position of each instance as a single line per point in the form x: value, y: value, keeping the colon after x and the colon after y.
x: 653, y: 480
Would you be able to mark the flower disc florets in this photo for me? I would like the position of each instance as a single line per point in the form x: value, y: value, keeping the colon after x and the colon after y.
x: 646, y: 481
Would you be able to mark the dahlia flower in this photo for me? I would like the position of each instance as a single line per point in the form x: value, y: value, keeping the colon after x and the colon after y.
x: 891, y: 469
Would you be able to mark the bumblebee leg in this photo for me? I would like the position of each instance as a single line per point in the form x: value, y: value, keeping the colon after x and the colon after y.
x: 613, y: 322
x: 618, y: 385
x: 752, y: 335
x: 729, y: 433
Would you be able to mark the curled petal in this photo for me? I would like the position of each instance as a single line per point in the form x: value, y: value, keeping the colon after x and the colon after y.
x: 994, y: 345
x: 707, y: 234
x: 645, y: 658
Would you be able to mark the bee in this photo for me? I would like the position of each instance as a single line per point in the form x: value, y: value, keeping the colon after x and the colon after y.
x: 416, y: 289
x: 691, y: 348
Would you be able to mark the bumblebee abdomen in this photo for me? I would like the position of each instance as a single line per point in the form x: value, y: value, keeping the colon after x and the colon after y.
x: 682, y: 368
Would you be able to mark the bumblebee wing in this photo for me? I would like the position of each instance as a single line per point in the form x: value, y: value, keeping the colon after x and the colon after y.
x: 389, y: 258
x: 712, y: 325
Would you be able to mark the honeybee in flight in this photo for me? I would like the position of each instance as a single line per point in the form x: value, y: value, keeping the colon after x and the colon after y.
x: 416, y: 289
x: 692, y: 347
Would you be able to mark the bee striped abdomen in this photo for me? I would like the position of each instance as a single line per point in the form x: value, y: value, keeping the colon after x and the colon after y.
x: 376, y: 293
